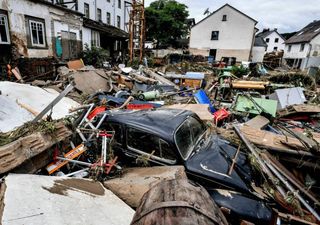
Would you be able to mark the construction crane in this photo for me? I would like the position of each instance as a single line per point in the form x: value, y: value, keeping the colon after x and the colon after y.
x: 137, y: 31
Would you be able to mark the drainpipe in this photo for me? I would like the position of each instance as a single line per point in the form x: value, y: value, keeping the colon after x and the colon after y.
x: 114, y: 13
x: 95, y: 10
x: 308, y: 56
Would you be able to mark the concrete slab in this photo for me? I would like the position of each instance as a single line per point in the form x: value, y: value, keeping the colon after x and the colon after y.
x: 137, y: 181
x: 35, y: 99
x: 38, y: 200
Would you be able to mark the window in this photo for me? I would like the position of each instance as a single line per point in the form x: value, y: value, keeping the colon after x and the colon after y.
x: 119, y: 4
x: 302, y: 47
x: 4, y: 30
x: 95, y: 38
x: 215, y: 35
x: 108, y: 18
x: 86, y: 10
x: 37, y: 33
x: 289, y: 48
x: 118, y: 21
x: 276, y: 40
x: 187, y: 136
x: 224, y: 18
x: 99, y: 16
x: 150, y: 144
x: 267, y: 40
x: 275, y: 49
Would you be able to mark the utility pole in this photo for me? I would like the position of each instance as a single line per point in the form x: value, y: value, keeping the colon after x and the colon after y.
x: 137, y: 31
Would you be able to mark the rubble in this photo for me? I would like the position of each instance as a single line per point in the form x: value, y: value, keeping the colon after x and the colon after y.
x: 259, y: 142
x: 139, y: 180
x: 33, y: 199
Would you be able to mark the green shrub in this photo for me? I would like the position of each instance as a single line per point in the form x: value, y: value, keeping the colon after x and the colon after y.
x: 239, y: 71
x: 94, y: 56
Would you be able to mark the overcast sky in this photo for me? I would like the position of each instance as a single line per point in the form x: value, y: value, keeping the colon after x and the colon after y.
x: 286, y: 15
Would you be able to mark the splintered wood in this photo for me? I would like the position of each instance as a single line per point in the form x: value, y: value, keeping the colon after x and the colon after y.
x: 17, y: 152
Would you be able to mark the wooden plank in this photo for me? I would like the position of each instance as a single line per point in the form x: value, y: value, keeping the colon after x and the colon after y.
x: 270, y: 140
x: 75, y: 64
x: 202, y: 110
x: 258, y: 122
x: 17, y: 152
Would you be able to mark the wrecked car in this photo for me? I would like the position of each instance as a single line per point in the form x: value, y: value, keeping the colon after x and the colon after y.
x: 179, y: 137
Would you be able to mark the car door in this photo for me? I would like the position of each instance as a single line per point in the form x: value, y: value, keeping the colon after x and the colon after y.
x: 143, y: 145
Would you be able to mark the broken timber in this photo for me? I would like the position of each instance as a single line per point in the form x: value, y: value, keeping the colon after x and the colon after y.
x: 17, y: 152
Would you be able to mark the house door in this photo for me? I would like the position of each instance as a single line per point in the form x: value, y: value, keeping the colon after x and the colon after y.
x: 69, y: 45
x: 213, y: 53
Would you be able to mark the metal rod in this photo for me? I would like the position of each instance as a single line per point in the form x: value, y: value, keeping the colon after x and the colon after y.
x: 76, y: 172
x: 53, y: 103
x: 75, y: 161
x: 295, y: 192
x: 259, y: 160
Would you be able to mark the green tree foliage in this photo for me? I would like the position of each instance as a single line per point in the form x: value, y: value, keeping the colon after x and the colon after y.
x: 166, y: 22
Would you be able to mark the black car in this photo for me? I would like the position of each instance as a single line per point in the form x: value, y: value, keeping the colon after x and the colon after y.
x: 179, y: 137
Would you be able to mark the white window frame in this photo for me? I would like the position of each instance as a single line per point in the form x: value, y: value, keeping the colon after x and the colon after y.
x: 43, y: 33
x: 95, y: 38
x: 6, y: 25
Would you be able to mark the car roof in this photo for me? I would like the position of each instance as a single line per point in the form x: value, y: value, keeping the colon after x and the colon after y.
x: 161, y: 122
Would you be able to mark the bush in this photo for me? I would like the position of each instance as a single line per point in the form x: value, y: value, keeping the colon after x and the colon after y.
x: 94, y: 56
x: 239, y: 71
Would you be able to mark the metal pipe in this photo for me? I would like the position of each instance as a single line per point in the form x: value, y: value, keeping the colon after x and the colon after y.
x: 289, y: 186
x: 259, y: 160
x: 75, y: 161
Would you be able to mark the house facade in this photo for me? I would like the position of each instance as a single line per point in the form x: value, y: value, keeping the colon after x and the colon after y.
x: 36, y: 32
x: 303, y: 49
x: 273, y: 39
x: 105, y: 22
x: 227, y: 32
x: 258, y: 50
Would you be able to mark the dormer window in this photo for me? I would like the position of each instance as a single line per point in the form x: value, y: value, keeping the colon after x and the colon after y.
x: 224, y: 18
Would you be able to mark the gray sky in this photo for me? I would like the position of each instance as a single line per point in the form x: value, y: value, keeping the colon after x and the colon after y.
x: 286, y: 15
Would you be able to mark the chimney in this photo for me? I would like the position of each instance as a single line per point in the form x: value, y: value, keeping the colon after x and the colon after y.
x: 265, y: 30
x: 275, y: 29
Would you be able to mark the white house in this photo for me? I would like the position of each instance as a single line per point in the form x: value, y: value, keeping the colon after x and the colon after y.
x: 105, y: 22
x: 274, y: 40
x: 303, y: 49
x: 258, y: 50
x: 227, y: 32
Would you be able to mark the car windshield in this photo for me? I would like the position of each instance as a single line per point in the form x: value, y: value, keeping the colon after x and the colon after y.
x: 188, y: 134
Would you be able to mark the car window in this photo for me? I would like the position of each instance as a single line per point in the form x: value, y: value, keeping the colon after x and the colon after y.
x: 116, y: 128
x: 149, y: 143
x: 188, y: 134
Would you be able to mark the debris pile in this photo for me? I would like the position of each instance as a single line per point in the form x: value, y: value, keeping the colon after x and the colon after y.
x: 246, y: 137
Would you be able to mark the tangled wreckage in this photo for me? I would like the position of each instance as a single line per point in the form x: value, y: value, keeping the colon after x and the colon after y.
x: 205, y: 147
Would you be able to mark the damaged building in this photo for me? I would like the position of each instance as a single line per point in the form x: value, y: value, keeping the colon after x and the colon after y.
x: 38, y: 36
x: 105, y: 24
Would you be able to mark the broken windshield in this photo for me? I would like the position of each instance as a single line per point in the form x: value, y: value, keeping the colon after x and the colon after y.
x: 187, y: 136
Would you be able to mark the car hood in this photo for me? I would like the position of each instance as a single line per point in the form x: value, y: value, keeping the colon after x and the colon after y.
x: 214, y: 162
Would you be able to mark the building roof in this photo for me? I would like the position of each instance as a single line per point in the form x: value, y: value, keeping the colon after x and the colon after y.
x: 44, y: 2
x: 306, y: 34
x: 266, y: 32
x: 222, y: 8
x: 259, y: 42
x: 102, y: 27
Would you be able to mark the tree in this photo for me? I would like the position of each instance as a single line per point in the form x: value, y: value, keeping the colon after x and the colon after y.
x: 166, y: 22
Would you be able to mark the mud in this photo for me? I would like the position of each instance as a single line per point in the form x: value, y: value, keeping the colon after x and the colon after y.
x: 61, y: 187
